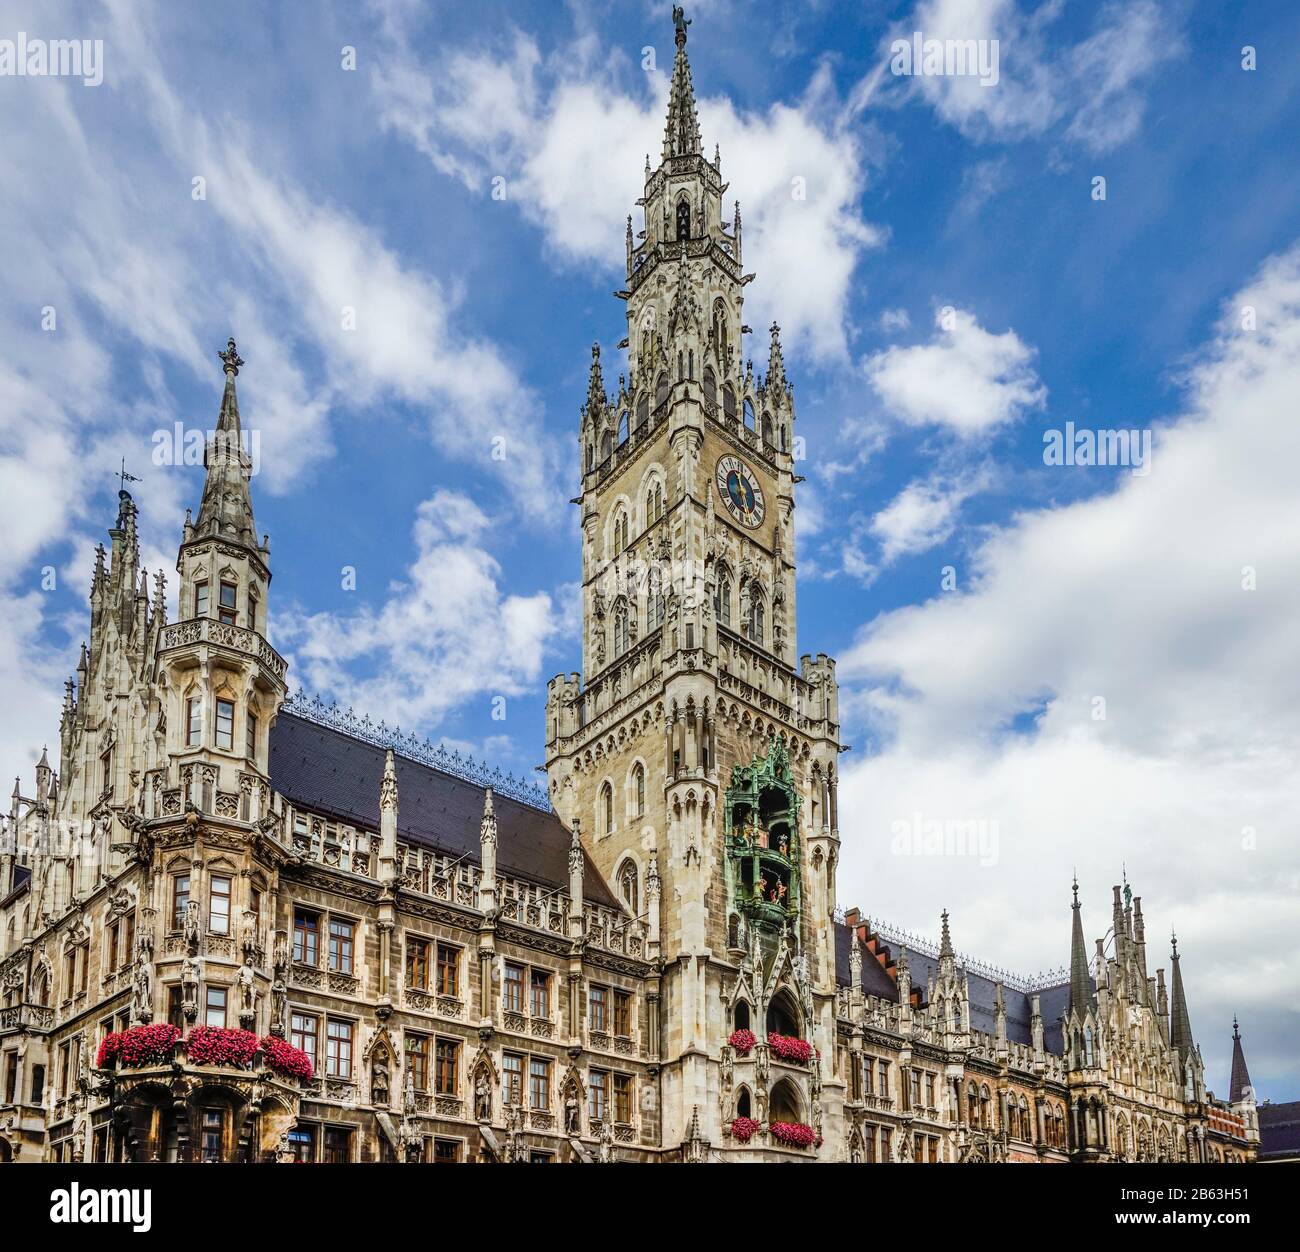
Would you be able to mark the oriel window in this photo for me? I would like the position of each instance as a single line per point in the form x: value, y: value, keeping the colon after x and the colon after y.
x: 193, y: 721
x: 215, y: 1011
x: 201, y: 605
x: 180, y: 900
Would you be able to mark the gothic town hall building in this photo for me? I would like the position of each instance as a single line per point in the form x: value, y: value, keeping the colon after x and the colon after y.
x: 641, y: 962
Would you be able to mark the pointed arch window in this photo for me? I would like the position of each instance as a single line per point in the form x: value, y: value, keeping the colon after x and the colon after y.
x: 661, y: 390
x: 767, y: 429
x: 606, y: 446
x: 722, y: 597
x: 638, y: 790
x: 710, y: 386
x: 683, y: 220
x: 642, y: 410
x: 606, y: 809
x: 622, y: 428
x: 620, y: 629
x: 756, y: 623
x: 728, y: 402
x: 654, y: 600
x: 629, y: 887
x: 654, y: 503
x: 749, y: 414
x: 720, y: 330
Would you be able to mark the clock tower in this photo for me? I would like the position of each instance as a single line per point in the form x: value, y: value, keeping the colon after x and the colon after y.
x: 695, y: 753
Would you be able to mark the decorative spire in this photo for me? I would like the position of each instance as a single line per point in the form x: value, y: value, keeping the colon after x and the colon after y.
x: 682, y: 131
x: 1240, y: 1085
x: 1080, y: 981
x: 1180, y: 1026
x: 776, y: 361
x: 945, y: 940
x: 596, y: 399
x: 227, y: 508
x: 487, y: 831
x: 388, y: 785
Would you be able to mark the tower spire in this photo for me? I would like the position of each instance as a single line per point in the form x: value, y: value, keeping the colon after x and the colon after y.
x: 1080, y: 981
x: 1240, y: 1085
x: 1180, y: 1026
x: 227, y: 507
x: 682, y: 131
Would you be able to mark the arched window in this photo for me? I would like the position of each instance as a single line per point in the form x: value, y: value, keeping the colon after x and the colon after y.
x: 785, y: 438
x: 591, y: 458
x: 756, y: 623
x: 720, y: 330
x: 728, y: 402
x: 643, y: 410
x: 710, y: 387
x: 661, y: 390
x: 622, y: 428
x: 654, y: 503
x: 681, y: 367
x: 654, y: 601
x: 722, y: 597
x: 1087, y: 1046
x: 743, y: 1105
x: 606, y: 446
x: 638, y: 790
x: 767, y: 429
x: 683, y: 220
x: 690, y: 364
x: 606, y: 809
x: 749, y: 414
x: 629, y: 887
x: 742, y: 1015
x: 620, y: 629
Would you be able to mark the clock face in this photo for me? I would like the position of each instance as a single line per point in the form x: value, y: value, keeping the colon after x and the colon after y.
x: 741, y: 495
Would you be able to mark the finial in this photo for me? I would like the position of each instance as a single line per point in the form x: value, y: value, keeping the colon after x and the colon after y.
x: 1173, y: 940
x: 231, y: 358
x: 595, y: 351
x: 1074, y: 886
x: 1235, y: 1033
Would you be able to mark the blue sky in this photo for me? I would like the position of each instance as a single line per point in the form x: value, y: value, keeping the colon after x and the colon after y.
x: 327, y: 189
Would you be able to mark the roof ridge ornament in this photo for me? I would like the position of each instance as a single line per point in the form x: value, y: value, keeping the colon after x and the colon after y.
x: 312, y: 708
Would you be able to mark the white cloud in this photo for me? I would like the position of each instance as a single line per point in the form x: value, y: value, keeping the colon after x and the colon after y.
x: 446, y: 634
x: 966, y: 378
x: 982, y: 703
x: 895, y: 319
x: 923, y: 514
x: 1095, y: 87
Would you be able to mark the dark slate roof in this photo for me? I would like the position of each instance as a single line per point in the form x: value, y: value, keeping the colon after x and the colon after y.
x: 983, y: 1002
x: 327, y: 772
x: 1279, y: 1130
x: 875, y: 982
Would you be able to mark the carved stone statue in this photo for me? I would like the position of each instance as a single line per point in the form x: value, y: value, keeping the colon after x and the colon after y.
x: 192, y: 926
x: 246, y: 983
x: 379, y: 1079
x: 142, y: 993
x: 248, y: 934
x: 571, y: 1112
x: 408, y: 1093
x: 605, y: 1146
x: 191, y: 970
x: 482, y: 1097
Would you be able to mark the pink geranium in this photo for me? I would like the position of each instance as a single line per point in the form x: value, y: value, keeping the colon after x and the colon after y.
x: 793, y: 1134
x: 784, y: 1048
x: 218, y: 1045
x: 285, y: 1059
x: 742, y: 1041
x: 744, y: 1128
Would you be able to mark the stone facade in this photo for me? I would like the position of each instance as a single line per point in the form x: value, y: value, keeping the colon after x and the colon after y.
x: 643, y: 963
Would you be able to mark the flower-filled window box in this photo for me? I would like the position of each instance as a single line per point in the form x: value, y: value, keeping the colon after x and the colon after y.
x: 286, y: 1060
x: 138, y: 1046
x: 742, y: 1041
x: 220, y: 1045
x: 792, y: 1134
x: 794, y: 1051
x: 743, y: 1129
